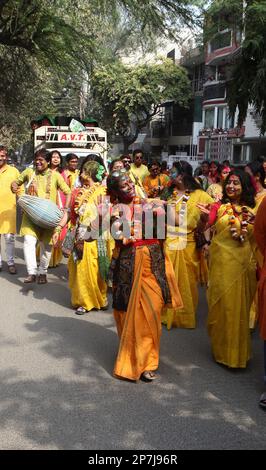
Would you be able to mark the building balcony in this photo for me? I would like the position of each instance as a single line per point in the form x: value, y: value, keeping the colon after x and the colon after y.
x: 231, y: 133
x: 211, y: 80
x: 222, y: 56
x: 214, y: 90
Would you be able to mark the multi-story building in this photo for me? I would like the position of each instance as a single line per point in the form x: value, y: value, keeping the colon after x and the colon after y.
x: 174, y: 132
x: 206, y: 129
x: 221, y: 138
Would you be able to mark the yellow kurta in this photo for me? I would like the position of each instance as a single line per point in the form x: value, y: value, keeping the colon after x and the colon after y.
x: 88, y: 289
x: 137, y: 175
x: 138, y: 171
x: 232, y: 286
x: 8, y: 174
x: 186, y: 264
x: 57, y: 182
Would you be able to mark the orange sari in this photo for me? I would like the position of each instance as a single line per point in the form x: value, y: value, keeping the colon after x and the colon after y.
x: 139, y: 328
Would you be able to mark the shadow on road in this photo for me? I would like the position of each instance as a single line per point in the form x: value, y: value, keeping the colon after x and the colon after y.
x: 62, y: 395
x: 56, y: 290
x: 86, y: 344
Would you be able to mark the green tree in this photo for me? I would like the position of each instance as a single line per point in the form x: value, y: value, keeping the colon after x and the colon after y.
x: 126, y: 98
x: 34, y: 24
x: 48, y: 31
x: 25, y: 89
x: 46, y: 47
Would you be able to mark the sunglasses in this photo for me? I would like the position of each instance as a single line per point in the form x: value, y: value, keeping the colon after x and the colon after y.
x: 117, y: 174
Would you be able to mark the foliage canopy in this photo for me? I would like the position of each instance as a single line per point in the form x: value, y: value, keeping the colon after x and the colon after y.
x: 128, y: 97
x: 47, y: 46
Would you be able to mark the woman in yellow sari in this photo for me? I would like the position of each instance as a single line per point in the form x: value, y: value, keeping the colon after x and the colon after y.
x: 87, y: 280
x: 188, y: 263
x: 232, y: 275
x: 143, y: 281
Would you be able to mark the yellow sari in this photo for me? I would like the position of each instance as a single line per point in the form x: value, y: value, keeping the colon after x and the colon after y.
x: 187, y: 264
x: 232, y: 286
x: 88, y: 289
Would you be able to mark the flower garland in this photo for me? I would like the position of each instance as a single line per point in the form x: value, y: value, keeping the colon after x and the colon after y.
x: 234, y: 215
x: 82, y: 198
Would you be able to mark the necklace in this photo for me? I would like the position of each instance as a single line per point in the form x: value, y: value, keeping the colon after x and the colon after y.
x: 242, y: 216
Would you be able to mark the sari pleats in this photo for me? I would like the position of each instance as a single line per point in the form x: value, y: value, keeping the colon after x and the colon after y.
x: 139, y: 328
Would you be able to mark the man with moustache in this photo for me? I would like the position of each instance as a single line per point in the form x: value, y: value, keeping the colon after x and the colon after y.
x: 138, y: 171
x: 44, y: 183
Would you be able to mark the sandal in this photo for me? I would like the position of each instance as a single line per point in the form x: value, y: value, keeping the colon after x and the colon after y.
x: 148, y: 376
x: 12, y: 269
x: 262, y: 401
x: 42, y: 279
x: 80, y: 311
x: 31, y: 278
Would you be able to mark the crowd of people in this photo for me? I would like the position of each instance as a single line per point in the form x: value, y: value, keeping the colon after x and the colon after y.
x: 153, y: 235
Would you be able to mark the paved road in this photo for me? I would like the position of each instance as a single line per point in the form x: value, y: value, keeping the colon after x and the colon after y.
x: 57, y: 389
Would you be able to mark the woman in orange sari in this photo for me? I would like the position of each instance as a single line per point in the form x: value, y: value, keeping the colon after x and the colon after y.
x: 143, y: 281
x: 260, y: 235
